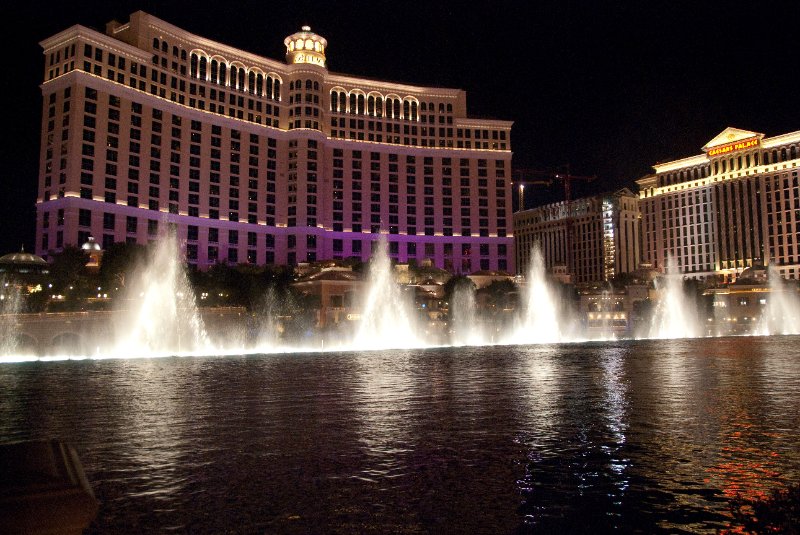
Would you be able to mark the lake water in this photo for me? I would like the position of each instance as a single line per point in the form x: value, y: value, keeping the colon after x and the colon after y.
x: 638, y: 436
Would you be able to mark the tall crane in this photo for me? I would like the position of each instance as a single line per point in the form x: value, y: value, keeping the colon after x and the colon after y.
x: 523, y: 177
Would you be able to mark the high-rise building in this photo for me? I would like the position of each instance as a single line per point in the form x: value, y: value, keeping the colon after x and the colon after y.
x: 255, y: 160
x: 590, y: 239
x: 734, y: 206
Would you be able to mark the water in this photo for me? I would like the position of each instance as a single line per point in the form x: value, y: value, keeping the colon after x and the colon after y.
x: 465, y: 327
x: 10, y: 305
x: 782, y: 315
x: 675, y: 315
x: 639, y: 436
x: 387, y: 319
x: 539, y: 323
x: 159, y: 314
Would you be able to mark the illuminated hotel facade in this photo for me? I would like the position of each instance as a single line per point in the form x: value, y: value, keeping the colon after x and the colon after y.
x: 734, y: 206
x: 590, y: 239
x: 252, y: 160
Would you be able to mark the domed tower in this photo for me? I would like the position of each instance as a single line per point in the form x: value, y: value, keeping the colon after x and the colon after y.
x: 305, y: 47
x: 305, y: 50
x: 305, y: 54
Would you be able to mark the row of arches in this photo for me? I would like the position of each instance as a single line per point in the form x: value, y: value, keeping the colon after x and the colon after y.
x: 374, y: 104
x: 163, y: 47
x: 730, y: 164
x: 218, y: 70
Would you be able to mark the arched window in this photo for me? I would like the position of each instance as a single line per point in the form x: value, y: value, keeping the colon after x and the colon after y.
x: 406, y: 109
x: 441, y: 107
x: 755, y: 158
x: 361, y: 104
x: 260, y: 85
x: 379, y: 106
x: 222, y: 73
x: 251, y: 82
x: 214, y: 70
x: 164, y: 47
x: 342, y: 102
x: 183, y: 55
x: 240, y: 80
x: 414, y: 113
x: 277, y: 90
x: 449, y: 108
x: 396, y: 109
x: 353, y: 99
x: 155, y: 43
x: 175, y: 51
x: 783, y: 154
x: 309, y: 84
x: 234, y: 74
x: 371, y: 105
x: 766, y: 158
x: 291, y: 86
x: 423, y: 107
x: 269, y: 87
x: 193, y: 66
x: 316, y: 84
x: 335, y: 101
x: 203, y: 67
x: 793, y: 152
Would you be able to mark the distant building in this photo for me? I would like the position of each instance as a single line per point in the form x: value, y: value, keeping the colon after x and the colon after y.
x: 586, y: 240
x: 253, y: 160
x: 734, y: 206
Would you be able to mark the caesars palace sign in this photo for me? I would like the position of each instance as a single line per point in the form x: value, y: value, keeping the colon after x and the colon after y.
x: 732, y: 147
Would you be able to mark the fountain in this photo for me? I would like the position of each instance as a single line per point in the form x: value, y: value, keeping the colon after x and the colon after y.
x: 386, y: 314
x: 10, y: 306
x: 465, y: 329
x: 157, y: 315
x: 782, y: 313
x: 539, y: 323
x: 675, y: 315
x: 160, y: 315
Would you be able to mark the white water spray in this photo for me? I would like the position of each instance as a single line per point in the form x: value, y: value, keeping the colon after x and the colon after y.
x: 675, y: 315
x: 782, y: 313
x: 160, y: 313
x: 386, y: 314
x: 540, y: 321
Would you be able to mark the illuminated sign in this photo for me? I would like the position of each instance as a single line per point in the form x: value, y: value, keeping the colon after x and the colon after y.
x: 731, y: 147
x: 309, y: 58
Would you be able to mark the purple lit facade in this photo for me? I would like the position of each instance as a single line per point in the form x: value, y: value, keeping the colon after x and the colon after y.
x: 253, y: 160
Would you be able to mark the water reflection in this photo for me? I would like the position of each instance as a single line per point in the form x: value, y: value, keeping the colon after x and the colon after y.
x: 625, y: 435
x: 382, y: 398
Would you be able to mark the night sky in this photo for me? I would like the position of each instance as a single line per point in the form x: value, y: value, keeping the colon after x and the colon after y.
x: 610, y: 88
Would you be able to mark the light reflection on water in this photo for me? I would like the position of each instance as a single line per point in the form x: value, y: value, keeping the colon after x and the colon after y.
x: 639, y: 436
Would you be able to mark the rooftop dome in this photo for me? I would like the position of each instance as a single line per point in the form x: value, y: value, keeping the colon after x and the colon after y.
x: 91, y: 245
x: 23, y: 258
x: 305, y: 47
x: 23, y: 262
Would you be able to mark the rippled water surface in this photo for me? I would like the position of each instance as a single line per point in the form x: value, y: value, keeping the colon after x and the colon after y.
x: 641, y: 436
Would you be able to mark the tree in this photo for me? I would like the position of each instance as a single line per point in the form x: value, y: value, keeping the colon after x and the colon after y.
x: 67, y: 267
x: 118, y: 262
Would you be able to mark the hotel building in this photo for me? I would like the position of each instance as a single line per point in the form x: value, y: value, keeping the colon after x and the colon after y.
x: 592, y: 239
x: 252, y: 160
x: 734, y: 206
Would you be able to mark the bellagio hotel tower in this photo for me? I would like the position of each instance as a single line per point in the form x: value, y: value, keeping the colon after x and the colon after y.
x: 148, y: 128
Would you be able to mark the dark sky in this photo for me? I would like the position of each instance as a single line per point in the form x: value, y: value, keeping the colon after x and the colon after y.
x: 609, y: 87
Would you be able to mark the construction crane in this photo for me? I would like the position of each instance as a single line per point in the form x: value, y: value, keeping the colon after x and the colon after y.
x: 523, y: 177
